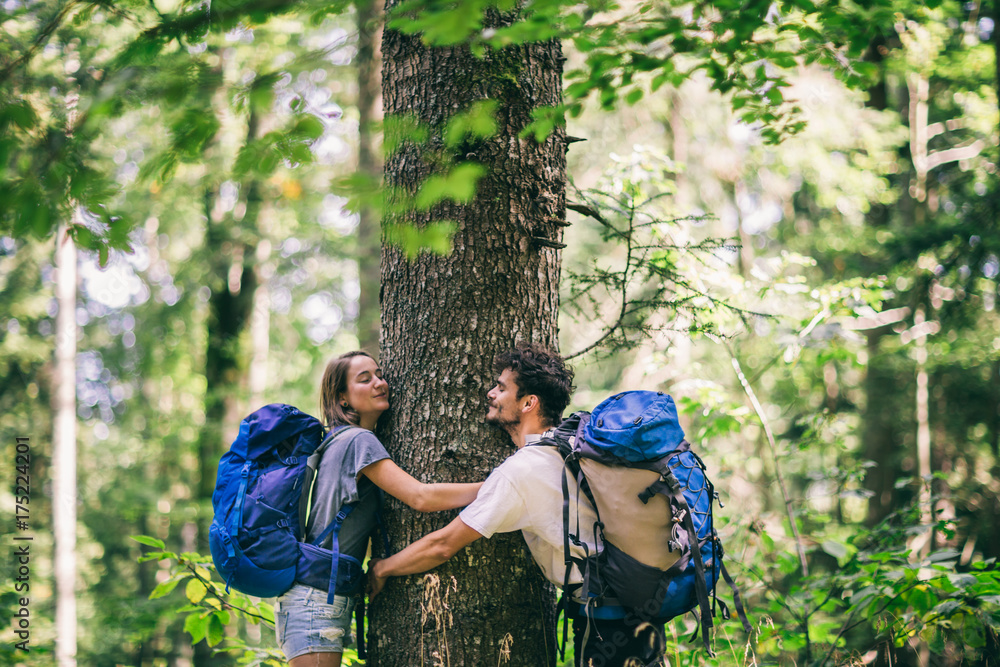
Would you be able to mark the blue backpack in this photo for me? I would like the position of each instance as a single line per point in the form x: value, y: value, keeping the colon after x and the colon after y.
x: 639, y: 429
x: 260, y: 504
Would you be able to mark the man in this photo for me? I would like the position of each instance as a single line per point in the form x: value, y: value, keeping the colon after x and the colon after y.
x: 525, y: 493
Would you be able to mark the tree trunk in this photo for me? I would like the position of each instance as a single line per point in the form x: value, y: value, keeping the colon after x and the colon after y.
x: 64, y: 451
x: 923, y: 432
x: 260, y: 329
x: 229, y: 308
x: 878, y: 435
x: 369, y: 60
x: 443, y: 320
x: 230, y: 312
x: 996, y: 46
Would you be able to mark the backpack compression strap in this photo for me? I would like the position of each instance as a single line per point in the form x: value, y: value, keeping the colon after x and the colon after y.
x: 737, y: 601
x: 236, y: 516
x: 699, y: 565
x: 334, y: 529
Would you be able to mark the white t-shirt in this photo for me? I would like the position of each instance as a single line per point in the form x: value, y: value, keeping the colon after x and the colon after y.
x: 525, y: 493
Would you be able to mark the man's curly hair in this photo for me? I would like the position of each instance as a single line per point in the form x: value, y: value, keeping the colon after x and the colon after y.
x: 541, y: 372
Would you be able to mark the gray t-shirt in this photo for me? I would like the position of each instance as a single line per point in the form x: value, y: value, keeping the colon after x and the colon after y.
x: 337, y: 483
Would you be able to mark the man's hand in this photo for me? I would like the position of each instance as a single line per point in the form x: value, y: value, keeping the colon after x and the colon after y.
x: 376, y: 581
x: 428, y: 552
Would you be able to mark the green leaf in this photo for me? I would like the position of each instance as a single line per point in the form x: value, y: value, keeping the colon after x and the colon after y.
x: 787, y: 563
x: 400, y: 129
x: 149, y: 541
x: 634, y: 96
x: 477, y: 122
x: 435, y: 237
x: 216, y: 629
x: 165, y: 588
x: 863, y: 595
x: 939, y: 556
x: 261, y: 94
x: 193, y: 131
x: 544, y: 121
x: 266, y: 610
x: 195, y: 591
x: 948, y: 607
x: 196, y: 625
x: 921, y: 599
x: 961, y: 580
x: 363, y: 191
x: 438, y: 24
x: 19, y: 113
x: 39, y: 218
x: 835, y: 549
x: 155, y: 555
x: 309, y: 127
x: 458, y: 185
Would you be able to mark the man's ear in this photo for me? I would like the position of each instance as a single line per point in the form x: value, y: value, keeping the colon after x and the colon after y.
x: 530, y: 403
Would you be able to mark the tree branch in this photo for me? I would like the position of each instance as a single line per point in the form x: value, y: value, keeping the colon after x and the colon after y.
x: 938, y: 158
x: 623, y: 311
x: 781, y: 481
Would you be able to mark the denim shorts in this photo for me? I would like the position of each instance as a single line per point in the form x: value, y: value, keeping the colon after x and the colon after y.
x: 305, y: 623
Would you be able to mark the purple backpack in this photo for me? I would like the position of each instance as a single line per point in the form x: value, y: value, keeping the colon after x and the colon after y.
x: 260, y: 505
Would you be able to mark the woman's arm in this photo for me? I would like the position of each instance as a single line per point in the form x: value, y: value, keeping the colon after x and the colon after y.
x: 422, y: 497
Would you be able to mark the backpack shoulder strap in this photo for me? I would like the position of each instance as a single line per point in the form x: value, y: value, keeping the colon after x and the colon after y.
x: 309, y: 475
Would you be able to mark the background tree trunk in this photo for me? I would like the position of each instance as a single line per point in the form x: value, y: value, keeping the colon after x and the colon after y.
x: 369, y: 61
x: 879, y: 439
x: 234, y: 280
x: 443, y: 320
x: 64, y: 451
x: 996, y: 45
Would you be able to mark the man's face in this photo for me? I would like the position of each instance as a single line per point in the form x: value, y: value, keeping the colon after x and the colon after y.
x: 503, y: 409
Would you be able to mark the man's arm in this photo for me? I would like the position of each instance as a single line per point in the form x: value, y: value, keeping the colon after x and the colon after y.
x: 426, y: 553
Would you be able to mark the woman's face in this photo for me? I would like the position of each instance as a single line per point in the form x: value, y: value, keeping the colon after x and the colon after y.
x: 367, y: 393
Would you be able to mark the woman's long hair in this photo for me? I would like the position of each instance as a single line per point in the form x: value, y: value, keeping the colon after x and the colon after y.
x: 335, y: 384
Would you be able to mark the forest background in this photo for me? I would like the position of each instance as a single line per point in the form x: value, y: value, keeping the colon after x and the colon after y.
x: 785, y: 215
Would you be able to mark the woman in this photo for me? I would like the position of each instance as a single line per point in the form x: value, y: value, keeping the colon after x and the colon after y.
x: 352, y: 469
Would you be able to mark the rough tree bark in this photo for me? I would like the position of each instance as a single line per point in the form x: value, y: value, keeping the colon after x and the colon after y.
x: 443, y: 320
